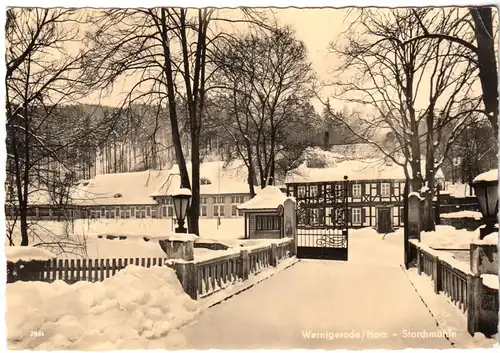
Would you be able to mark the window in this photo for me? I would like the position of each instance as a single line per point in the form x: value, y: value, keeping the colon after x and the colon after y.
x: 122, y: 213
x: 112, y: 214
x: 153, y: 212
x: 148, y: 211
x: 127, y: 214
x: 103, y: 212
x: 219, y: 206
x: 218, y: 210
x: 267, y: 222
x: 236, y: 200
x: 203, y: 206
x: 168, y: 201
x: 97, y: 213
x: 108, y: 215
x: 301, y: 191
x: 132, y: 211
x: 356, y: 190
x: 385, y: 189
x: 356, y: 215
x: 117, y: 212
x: 313, y: 190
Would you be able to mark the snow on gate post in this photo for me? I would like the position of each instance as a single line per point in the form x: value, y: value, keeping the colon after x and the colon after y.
x: 180, y: 253
x: 414, y: 216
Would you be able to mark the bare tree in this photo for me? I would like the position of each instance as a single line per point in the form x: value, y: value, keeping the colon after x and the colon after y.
x: 464, y: 28
x: 420, y: 91
x: 265, y: 84
x: 166, y: 49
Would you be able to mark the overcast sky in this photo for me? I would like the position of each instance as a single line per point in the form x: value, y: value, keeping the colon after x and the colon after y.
x: 315, y: 27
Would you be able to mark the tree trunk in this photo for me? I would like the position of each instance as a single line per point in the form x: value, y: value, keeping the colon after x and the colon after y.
x: 194, y: 210
x: 176, y: 139
x: 23, y: 219
x: 486, y: 56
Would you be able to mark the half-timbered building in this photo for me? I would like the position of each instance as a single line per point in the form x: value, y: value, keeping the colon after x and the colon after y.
x: 375, y: 193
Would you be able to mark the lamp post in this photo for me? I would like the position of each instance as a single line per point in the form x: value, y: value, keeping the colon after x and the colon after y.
x: 486, y: 188
x: 182, y: 200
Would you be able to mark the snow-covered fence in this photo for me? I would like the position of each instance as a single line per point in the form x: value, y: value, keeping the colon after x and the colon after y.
x: 448, y: 275
x: 74, y: 270
x: 217, y: 273
x: 473, y: 291
x: 201, y: 278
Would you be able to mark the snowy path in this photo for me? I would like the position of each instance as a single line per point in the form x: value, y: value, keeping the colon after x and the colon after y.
x: 368, y: 296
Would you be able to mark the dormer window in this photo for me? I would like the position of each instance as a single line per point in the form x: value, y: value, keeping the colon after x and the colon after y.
x: 117, y: 195
x: 205, y: 181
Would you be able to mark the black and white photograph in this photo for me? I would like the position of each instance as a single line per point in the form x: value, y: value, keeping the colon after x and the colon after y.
x: 242, y: 178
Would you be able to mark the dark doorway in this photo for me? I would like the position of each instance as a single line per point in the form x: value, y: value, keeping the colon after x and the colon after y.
x: 384, y: 220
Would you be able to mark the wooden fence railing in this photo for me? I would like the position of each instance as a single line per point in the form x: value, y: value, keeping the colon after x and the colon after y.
x: 74, y: 270
x: 217, y: 273
x: 198, y: 278
x: 453, y: 284
x: 447, y: 278
x: 202, y: 278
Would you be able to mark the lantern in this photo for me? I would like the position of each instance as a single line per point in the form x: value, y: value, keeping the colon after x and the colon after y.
x: 181, y: 200
x: 486, y: 188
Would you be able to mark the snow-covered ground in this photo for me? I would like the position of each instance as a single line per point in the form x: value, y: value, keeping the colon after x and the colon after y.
x: 447, y: 237
x: 230, y: 231
x: 134, y: 309
x: 368, y: 298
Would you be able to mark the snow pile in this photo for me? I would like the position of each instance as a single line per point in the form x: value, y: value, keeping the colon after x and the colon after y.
x: 134, y: 309
x: 447, y: 237
x: 490, y: 239
x: 27, y: 253
x: 268, y: 198
x: 490, y: 281
x: 491, y: 175
x: 462, y: 214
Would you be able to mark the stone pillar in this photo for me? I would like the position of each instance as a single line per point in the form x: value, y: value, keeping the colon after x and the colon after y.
x: 245, y: 265
x: 290, y: 221
x: 483, y: 258
x: 436, y: 274
x: 274, y: 255
x: 186, y: 272
x: 414, y: 216
x: 179, y: 246
x: 482, y: 308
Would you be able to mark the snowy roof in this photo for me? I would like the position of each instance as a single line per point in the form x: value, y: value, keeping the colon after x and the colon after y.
x: 491, y: 175
x: 268, y: 198
x: 27, y: 253
x: 216, y: 178
x: 361, y: 169
x: 120, y: 188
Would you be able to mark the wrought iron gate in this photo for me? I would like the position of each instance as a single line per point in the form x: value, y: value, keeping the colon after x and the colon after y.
x: 322, y: 224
